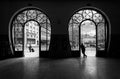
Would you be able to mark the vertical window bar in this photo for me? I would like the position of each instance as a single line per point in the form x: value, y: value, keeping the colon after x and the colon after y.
x: 72, y: 35
x: 46, y: 35
x: 105, y: 29
x: 96, y: 27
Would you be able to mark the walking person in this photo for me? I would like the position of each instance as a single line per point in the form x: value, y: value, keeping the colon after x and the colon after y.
x: 83, y: 50
x: 30, y: 48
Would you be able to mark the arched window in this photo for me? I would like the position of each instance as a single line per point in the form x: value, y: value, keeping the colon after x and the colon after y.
x: 91, y: 27
x: 29, y: 31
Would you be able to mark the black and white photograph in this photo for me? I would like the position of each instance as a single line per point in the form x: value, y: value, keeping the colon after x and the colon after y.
x: 59, y: 39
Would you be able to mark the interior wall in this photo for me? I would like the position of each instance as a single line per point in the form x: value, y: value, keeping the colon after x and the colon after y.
x: 59, y: 13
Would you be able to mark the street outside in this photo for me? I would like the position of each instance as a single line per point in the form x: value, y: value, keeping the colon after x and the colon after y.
x: 27, y: 52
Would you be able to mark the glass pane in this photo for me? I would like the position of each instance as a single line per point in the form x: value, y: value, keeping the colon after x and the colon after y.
x: 31, y: 14
x: 41, y: 18
x: 74, y: 36
x: 97, y: 17
x: 77, y: 18
x: 18, y: 36
x: 48, y: 35
x: 43, y: 38
x: 101, y: 36
x: 70, y: 35
x: 87, y: 14
x: 22, y: 17
x: 45, y: 34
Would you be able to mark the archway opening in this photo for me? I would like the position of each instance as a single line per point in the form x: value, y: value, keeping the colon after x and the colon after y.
x: 29, y: 32
x: 31, y: 41
x: 90, y: 26
x: 88, y: 37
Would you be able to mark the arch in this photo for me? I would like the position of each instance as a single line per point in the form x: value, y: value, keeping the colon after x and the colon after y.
x: 98, y: 17
x: 18, y: 22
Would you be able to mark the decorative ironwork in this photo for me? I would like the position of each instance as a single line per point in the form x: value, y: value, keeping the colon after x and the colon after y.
x: 75, y: 24
x: 24, y: 19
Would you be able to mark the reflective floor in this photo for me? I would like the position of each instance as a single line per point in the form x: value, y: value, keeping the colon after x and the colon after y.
x: 71, y: 68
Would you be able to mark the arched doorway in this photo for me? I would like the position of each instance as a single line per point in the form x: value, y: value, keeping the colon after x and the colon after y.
x: 91, y: 27
x: 29, y: 32
x: 88, y: 37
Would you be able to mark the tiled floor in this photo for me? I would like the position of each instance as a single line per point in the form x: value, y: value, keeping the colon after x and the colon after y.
x: 71, y: 68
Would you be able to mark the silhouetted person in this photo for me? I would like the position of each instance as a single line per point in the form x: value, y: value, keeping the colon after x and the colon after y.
x: 83, y: 50
x: 30, y: 48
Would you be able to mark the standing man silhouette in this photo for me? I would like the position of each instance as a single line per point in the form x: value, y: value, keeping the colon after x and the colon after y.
x: 30, y: 48
x: 83, y: 50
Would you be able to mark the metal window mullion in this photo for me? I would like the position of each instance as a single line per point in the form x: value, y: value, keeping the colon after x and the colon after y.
x: 23, y: 31
x: 105, y: 28
x: 79, y: 37
x: 92, y: 14
x: 46, y: 34
x: 44, y: 27
x: 39, y: 39
x: 96, y: 25
x: 72, y: 33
